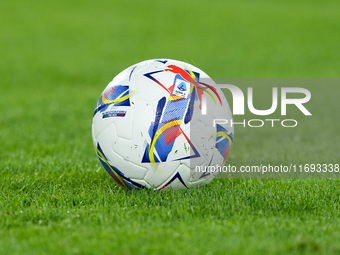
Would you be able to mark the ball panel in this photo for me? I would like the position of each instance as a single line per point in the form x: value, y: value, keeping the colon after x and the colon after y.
x: 106, y: 140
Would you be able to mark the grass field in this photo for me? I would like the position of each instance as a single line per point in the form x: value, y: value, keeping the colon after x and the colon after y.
x: 55, y: 60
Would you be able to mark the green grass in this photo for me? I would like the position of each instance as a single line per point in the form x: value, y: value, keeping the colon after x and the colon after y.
x: 55, y: 60
x: 84, y: 213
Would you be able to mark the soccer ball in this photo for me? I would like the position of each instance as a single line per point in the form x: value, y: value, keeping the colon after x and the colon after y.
x: 149, y: 131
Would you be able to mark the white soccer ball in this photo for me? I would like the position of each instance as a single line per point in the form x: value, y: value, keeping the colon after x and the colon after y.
x: 148, y: 129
